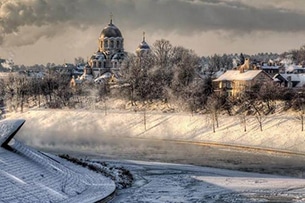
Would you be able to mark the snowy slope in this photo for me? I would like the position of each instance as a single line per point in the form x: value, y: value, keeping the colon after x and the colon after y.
x: 280, y: 131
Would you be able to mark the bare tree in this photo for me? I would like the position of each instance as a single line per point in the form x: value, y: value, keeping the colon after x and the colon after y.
x: 301, y: 117
x: 242, y: 112
x: 104, y: 93
x: 17, y: 92
x: 213, y: 108
x: 185, y: 63
x: 299, y: 106
x: 250, y: 104
x: 163, y: 52
x: 144, y: 118
x: 134, y: 76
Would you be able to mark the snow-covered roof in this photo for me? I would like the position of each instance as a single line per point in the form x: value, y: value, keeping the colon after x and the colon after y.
x: 28, y: 175
x: 294, y: 78
x: 293, y: 67
x: 86, y: 77
x: 77, y: 72
x: 105, y: 76
x: 237, y: 75
x: 219, y: 73
x: 270, y: 67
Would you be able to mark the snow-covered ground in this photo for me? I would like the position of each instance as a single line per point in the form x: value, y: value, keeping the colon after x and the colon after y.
x: 164, y: 182
x: 92, y: 128
x: 161, y: 182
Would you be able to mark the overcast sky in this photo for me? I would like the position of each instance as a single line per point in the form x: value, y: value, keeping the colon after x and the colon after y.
x: 41, y: 31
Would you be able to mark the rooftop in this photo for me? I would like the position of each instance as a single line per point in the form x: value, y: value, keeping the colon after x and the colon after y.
x: 29, y: 175
x: 237, y: 75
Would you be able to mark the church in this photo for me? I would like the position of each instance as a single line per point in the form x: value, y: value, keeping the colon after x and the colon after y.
x: 107, y: 61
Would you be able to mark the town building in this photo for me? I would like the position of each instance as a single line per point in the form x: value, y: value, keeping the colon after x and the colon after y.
x: 272, y: 69
x: 235, y: 82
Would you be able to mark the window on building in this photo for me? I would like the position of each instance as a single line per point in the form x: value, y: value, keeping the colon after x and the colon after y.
x: 229, y: 84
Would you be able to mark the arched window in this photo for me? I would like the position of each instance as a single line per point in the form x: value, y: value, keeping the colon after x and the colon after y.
x: 111, y: 44
x: 118, y: 44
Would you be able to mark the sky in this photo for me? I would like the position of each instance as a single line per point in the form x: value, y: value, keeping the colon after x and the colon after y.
x: 57, y: 31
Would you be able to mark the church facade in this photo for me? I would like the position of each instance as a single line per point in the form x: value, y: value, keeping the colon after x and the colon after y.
x: 109, y: 56
x: 106, y: 63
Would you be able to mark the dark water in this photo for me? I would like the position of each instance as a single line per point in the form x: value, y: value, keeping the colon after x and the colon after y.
x: 171, y: 152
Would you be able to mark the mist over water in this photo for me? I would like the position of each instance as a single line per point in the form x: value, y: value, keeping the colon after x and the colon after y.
x: 92, y: 142
x: 115, y: 135
x: 122, y: 135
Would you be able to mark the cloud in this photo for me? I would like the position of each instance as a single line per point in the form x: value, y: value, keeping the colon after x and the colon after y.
x: 184, y: 17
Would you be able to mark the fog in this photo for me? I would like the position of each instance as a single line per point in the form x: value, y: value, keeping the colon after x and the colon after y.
x: 91, y: 140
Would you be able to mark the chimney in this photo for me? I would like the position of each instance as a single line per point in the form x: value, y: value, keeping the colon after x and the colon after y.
x: 247, y: 63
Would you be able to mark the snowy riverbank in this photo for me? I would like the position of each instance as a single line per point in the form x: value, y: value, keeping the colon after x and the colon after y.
x: 180, y: 183
x: 81, y: 127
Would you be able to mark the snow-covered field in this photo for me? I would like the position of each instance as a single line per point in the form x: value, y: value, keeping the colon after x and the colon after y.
x: 161, y: 182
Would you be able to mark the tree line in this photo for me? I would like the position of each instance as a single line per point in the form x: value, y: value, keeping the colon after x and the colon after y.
x: 171, y: 74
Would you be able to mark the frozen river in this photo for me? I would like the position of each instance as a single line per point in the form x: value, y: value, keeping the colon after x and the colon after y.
x: 161, y: 182
x: 166, y: 172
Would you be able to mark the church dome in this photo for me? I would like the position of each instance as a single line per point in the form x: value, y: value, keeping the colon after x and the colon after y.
x: 111, y: 31
x: 143, y: 45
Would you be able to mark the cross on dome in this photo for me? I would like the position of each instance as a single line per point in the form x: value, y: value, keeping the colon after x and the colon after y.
x: 111, y: 16
x: 143, y: 36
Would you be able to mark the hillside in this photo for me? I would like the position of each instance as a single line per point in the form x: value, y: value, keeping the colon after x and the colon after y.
x: 90, y: 127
